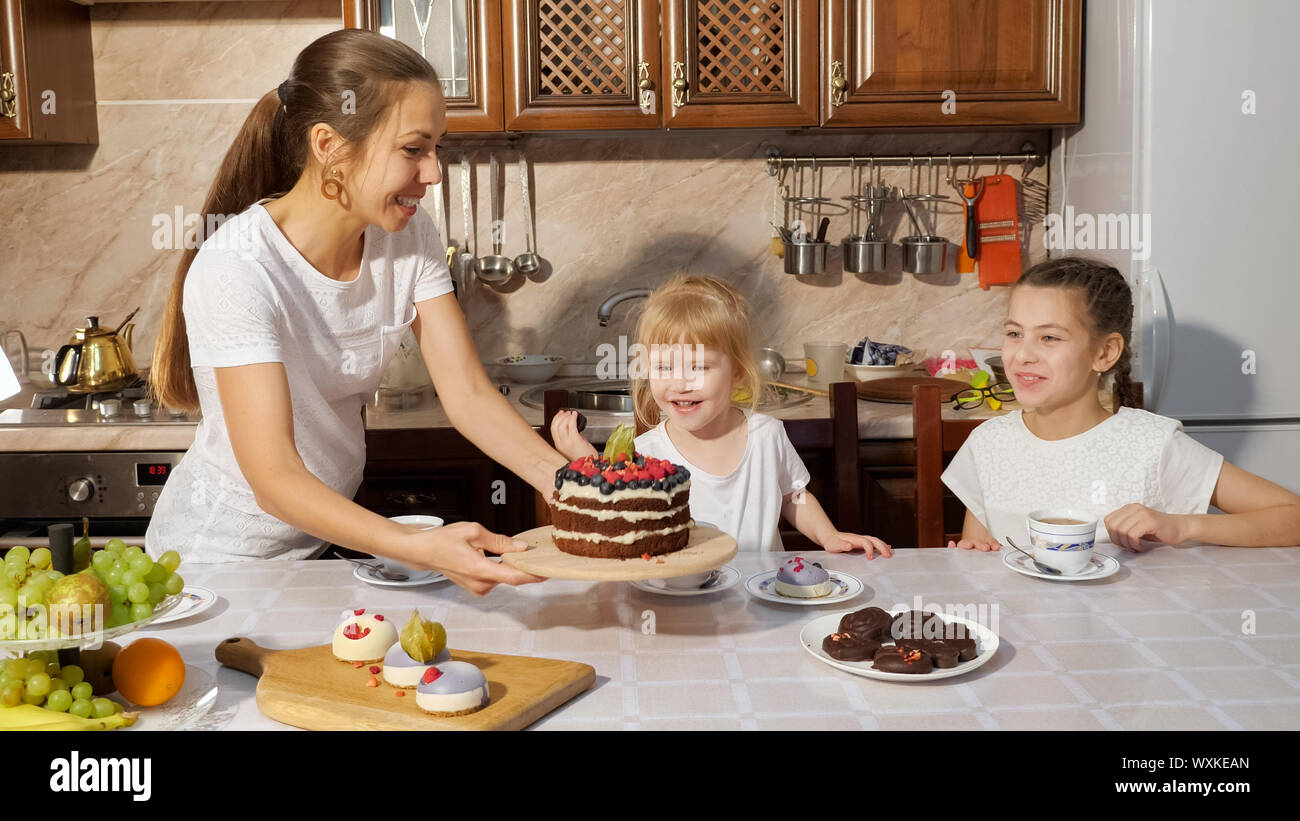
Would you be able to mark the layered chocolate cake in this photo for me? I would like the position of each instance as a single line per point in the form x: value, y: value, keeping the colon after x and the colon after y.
x: 621, y: 507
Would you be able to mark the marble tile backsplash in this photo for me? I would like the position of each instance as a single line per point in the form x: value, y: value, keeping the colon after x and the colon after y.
x: 175, y: 81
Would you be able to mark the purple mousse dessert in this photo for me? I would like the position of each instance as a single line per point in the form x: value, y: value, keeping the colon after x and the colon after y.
x: 453, y: 688
x: 799, y: 579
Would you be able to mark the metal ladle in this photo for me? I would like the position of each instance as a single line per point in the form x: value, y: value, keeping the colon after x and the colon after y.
x: 527, y: 263
x: 495, y: 269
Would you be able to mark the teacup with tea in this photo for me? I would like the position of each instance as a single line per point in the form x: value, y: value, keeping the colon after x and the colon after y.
x: 1063, y: 538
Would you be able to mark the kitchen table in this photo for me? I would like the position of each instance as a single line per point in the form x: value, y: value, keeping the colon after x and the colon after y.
x: 1192, y: 637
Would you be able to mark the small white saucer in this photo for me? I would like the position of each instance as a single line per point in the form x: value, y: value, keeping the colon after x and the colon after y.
x: 727, y: 578
x: 194, y: 600
x: 843, y: 587
x: 1100, y: 566
x: 417, y: 578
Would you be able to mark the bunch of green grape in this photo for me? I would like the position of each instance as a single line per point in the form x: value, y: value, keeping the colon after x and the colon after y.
x: 38, y: 679
x: 135, y: 581
x: 27, y: 575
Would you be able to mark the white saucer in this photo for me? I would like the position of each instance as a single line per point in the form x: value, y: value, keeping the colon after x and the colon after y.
x: 728, y: 576
x: 194, y: 600
x: 1100, y: 566
x: 844, y: 587
x: 815, y: 631
x: 417, y: 579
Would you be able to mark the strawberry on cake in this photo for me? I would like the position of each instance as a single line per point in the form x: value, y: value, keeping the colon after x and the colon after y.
x: 622, y: 505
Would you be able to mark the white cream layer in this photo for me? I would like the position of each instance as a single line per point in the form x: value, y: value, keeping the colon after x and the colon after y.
x: 405, y: 676
x: 451, y: 702
x: 625, y: 538
x: 804, y: 591
x: 573, y: 490
x: 625, y: 515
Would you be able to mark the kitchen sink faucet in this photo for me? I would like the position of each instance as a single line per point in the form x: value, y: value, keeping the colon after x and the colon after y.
x: 607, y: 307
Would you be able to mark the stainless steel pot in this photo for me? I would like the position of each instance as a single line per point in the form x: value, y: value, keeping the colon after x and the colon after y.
x: 863, y: 256
x: 805, y: 257
x: 924, y: 254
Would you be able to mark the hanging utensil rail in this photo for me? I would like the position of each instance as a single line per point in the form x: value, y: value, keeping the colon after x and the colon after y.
x: 775, y: 161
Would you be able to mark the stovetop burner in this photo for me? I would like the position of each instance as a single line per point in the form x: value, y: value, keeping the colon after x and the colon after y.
x: 63, y: 399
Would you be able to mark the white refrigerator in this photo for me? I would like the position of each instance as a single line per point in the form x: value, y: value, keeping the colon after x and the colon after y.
x: 1191, y: 129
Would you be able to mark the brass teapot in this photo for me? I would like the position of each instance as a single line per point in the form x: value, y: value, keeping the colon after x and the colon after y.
x: 97, y: 359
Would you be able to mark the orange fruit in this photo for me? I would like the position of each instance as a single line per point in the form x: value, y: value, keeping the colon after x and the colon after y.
x: 148, y: 672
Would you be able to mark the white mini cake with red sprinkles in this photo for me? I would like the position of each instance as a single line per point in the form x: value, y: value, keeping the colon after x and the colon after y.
x: 362, y: 636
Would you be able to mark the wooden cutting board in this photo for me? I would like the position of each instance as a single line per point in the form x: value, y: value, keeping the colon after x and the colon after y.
x: 708, y: 548
x: 309, y: 688
x: 898, y: 389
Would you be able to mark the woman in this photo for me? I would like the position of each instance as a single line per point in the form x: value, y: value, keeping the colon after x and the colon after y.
x: 279, y: 325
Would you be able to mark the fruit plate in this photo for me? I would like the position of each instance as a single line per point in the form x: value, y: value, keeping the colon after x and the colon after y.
x: 190, y: 709
x: 986, y: 641
x: 67, y: 642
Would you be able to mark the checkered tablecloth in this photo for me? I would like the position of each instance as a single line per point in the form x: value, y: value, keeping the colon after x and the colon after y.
x: 1180, y: 638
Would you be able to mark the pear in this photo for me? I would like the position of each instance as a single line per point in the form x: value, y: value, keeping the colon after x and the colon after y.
x: 67, y: 596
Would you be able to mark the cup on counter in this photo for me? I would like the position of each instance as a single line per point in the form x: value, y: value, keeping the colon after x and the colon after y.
x: 419, y: 523
x: 824, y: 361
x: 1063, y: 538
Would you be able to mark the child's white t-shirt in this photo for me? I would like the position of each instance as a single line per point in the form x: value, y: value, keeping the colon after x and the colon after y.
x: 251, y: 297
x: 745, y: 503
x: 1003, y: 471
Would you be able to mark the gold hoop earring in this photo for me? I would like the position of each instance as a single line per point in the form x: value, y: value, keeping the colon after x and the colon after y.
x: 331, y: 188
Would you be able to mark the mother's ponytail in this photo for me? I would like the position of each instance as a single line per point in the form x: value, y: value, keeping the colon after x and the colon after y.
x: 251, y: 170
x: 348, y: 79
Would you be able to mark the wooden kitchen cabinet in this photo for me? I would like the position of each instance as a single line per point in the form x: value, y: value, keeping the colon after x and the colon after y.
x: 543, y: 65
x: 739, y: 63
x: 438, y: 472
x: 460, y: 38
x: 47, y: 74
x: 581, y: 64
x: 1004, y: 62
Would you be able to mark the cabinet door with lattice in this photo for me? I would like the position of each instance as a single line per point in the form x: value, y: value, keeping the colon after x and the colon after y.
x: 460, y: 38
x: 581, y: 64
x: 740, y: 63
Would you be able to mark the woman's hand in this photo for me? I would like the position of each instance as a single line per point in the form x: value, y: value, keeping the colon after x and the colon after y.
x: 564, y: 432
x: 837, y: 542
x: 1133, y: 522
x: 457, y: 550
x: 982, y: 545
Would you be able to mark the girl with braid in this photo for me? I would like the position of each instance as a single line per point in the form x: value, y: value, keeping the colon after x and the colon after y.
x: 1068, y: 325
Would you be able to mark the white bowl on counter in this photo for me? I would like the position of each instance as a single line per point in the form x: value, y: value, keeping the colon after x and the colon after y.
x: 530, y: 369
x: 865, y: 373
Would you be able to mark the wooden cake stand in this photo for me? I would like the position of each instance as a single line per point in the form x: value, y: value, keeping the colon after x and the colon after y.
x: 708, y: 548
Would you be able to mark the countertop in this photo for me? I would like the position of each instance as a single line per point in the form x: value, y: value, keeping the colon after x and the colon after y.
x: 876, y: 420
x: 1182, y: 638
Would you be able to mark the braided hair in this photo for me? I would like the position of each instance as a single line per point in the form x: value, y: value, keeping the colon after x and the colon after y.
x: 1108, y: 307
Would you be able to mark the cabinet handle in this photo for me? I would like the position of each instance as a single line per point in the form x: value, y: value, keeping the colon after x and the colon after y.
x: 679, y: 84
x: 409, y: 499
x: 837, y: 84
x: 8, y: 95
x: 646, y: 87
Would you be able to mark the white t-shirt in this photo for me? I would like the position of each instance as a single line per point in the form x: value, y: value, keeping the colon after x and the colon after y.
x: 251, y: 297
x: 1003, y: 471
x: 746, y: 503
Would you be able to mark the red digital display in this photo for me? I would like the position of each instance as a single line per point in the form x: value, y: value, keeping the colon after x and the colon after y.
x: 155, y: 474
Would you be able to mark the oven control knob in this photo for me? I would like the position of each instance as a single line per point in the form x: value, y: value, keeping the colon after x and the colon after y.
x: 109, y: 408
x: 143, y: 407
x: 81, y: 490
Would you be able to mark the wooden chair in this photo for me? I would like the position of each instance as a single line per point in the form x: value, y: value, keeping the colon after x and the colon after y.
x: 937, y: 440
x: 838, y: 435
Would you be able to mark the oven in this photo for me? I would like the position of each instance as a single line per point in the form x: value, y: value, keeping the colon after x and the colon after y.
x: 115, y: 490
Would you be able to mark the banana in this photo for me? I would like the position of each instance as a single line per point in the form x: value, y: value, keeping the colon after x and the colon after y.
x: 31, y: 717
